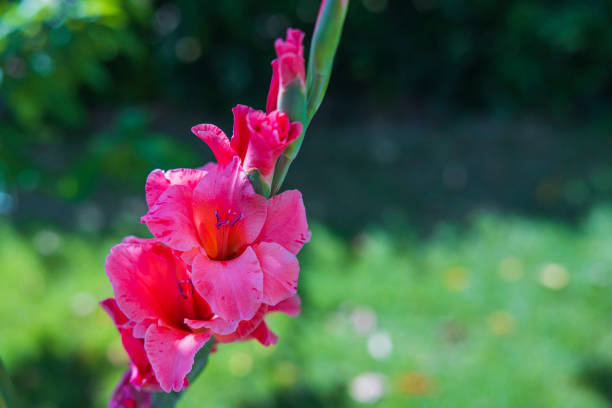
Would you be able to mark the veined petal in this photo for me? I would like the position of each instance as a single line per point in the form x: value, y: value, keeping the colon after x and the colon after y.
x: 264, y: 335
x: 291, y: 306
x: 240, y: 138
x: 217, y: 141
x: 110, y: 307
x: 145, y: 277
x: 158, y: 181
x: 245, y: 327
x: 171, y: 353
x: 280, y: 272
x: 286, y: 222
x: 171, y: 218
x: 216, y: 324
x: 233, y: 289
x: 272, y: 101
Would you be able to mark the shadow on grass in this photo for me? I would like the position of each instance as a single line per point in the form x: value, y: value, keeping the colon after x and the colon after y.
x: 52, y: 380
x: 302, y: 396
x: 597, y: 375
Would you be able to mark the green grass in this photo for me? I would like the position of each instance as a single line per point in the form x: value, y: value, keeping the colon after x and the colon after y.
x: 507, y: 312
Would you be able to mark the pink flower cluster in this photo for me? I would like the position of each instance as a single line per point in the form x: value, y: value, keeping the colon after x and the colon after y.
x: 222, y: 256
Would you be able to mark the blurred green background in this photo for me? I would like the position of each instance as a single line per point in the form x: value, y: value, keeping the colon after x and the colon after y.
x: 457, y: 179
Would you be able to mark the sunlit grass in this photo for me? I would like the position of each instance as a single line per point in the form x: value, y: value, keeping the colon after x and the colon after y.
x: 508, y: 312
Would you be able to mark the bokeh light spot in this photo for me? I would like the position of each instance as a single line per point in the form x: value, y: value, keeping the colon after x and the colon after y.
x: 240, y: 364
x: 415, y: 383
x: 286, y: 374
x: 501, y: 323
x: 510, y: 269
x: 83, y: 303
x: 367, y: 387
x: 456, y: 278
x: 363, y: 320
x: 188, y: 49
x: 554, y: 276
x: 47, y: 242
x: 380, y: 345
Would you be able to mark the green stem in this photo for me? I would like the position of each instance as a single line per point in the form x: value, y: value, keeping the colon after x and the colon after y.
x: 322, y: 51
x: 292, y: 100
x: 170, y: 399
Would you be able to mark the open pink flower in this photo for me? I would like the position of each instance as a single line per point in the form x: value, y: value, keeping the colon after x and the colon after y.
x: 241, y: 246
x: 288, y: 65
x: 258, y: 139
x: 168, y: 321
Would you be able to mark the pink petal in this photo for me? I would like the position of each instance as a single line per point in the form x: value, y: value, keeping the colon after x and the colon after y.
x: 226, y: 194
x: 240, y: 138
x: 217, y: 325
x: 264, y: 335
x: 128, y: 396
x: 269, y: 136
x: 290, y: 56
x: 233, y: 289
x: 291, y: 68
x: 171, y: 218
x: 139, y: 330
x: 171, y: 353
x: 158, y: 181
x: 216, y: 140
x: 245, y: 328
x: 145, y: 279
x: 135, y: 349
x: 292, y: 43
x: 286, y: 222
x: 280, y: 272
x: 272, y: 99
x: 123, y: 267
x: 110, y: 307
x: 291, y: 306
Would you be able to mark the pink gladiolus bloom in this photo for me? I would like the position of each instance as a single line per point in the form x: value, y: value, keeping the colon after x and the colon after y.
x: 169, y: 321
x: 288, y: 65
x: 258, y: 139
x: 241, y: 247
x: 127, y: 395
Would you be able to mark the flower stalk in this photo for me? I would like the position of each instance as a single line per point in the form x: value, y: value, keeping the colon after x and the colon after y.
x: 292, y: 100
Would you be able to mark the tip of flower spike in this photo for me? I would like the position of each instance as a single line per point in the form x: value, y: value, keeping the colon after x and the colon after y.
x: 292, y: 44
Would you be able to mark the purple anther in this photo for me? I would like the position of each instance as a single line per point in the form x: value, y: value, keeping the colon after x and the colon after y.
x: 235, y: 220
x: 183, y: 285
x: 219, y: 222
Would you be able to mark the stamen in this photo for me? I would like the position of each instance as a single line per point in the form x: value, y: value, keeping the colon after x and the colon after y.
x: 226, y: 222
x: 188, y: 284
x: 219, y: 222
x: 235, y: 220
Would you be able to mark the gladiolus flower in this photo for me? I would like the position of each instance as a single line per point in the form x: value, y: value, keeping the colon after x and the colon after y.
x: 241, y: 247
x: 163, y: 321
x: 288, y: 65
x: 258, y: 139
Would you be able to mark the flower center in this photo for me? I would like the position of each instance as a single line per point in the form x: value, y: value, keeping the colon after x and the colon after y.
x: 227, y: 243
